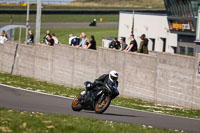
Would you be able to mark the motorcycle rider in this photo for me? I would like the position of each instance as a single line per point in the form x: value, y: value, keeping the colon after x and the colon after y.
x: 109, y: 79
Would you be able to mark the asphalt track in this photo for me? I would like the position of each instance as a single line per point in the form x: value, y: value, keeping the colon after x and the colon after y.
x: 25, y: 100
x: 66, y: 25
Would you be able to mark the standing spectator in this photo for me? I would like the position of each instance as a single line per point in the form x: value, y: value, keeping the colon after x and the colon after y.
x: 55, y: 39
x: 83, y: 40
x: 143, y: 45
x: 3, y: 38
x: 50, y: 41
x: 114, y: 44
x: 123, y: 44
x: 133, y: 45
x: 44, y: 40
x: 31, y: 38
x: 92, y: 43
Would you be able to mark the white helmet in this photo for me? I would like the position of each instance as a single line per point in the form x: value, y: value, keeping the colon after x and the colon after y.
x: 113, y: 75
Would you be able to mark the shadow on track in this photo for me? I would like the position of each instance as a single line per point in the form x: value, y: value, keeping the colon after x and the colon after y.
x: 112, y: 114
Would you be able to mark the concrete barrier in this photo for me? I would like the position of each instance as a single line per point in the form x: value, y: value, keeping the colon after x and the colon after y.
x: 159, y: 77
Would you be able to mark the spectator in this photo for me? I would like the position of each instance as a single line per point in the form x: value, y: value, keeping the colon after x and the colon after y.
x: 91, y: 44
x: 74, y: 40
x: 50, y: 41
x: 87, y: 42
x: 3, y: 38
x: 4, y: 33
x: 55, y: 39
x: 31, y: 38
x: 143, y: 45
x: 44, y: 40
x: 133, y: 45
x: 114, y: 44
x: 70, y: 38
x: 83, y: 40
x: 123, y: 44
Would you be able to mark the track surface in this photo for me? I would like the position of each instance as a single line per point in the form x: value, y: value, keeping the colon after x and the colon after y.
x: 66, y: 25
x: 24, y: 100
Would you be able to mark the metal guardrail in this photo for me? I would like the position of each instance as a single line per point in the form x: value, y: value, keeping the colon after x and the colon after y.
x: 35, y: 1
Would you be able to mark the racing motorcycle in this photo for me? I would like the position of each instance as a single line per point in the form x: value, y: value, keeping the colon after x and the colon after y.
x: 97, y: 99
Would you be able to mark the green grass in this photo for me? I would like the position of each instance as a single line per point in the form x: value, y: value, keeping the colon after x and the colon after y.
x: 25, y: 122
x: 33, y: 84
x: 59, y: 18
x: 63, y: 33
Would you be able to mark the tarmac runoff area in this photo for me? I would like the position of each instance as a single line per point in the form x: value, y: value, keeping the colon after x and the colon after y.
x: 67, y: 25
x: 27, y: 100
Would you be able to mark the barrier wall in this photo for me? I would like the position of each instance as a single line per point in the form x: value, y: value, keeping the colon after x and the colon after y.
x: 159, y: 77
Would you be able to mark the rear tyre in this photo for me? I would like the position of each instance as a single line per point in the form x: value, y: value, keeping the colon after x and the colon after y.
x: 76, y: 106
x: 102, y: 104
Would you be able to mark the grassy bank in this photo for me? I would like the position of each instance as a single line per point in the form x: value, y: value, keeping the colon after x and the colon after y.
x: 63, y: 33
x: 58, y: 18
x: 33, y: 84
x: 136, y: 4
x: 96, y: 4
x: 24, y: 122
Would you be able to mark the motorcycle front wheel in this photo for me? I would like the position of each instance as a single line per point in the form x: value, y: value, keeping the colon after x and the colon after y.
x: 76, y: 106
x: 102, y: 104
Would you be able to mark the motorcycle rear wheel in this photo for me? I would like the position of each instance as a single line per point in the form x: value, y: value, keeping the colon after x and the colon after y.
x: 102, y: 104
x: 76, y: 106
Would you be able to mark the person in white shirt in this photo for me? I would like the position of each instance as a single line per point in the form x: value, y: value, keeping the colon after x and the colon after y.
x: 55, y: 39
x: 3, y: 38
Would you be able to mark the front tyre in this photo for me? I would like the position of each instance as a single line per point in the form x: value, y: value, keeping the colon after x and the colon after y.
x: 76, y: 106
x: 102, y: 104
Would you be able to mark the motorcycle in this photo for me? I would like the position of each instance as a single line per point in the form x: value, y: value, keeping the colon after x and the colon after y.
x: 97, y: 99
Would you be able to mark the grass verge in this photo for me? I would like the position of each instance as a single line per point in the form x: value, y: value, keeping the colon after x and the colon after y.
x: 59, y: 18
x: 33, y: 84
x: 21, y: 122
x: 63, y: 33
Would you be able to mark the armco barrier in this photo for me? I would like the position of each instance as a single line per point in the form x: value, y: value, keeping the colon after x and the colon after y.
x: 160, y: 77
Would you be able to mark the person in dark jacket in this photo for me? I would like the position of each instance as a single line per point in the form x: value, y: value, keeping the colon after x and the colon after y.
x: 109, y: 79
x: 114, y: 44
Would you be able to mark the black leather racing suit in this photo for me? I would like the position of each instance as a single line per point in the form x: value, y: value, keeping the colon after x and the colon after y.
x: 104, y: 79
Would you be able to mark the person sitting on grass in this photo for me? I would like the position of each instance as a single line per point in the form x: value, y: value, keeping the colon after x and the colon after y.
x: 3, y: 38
x: 83, y: 40
x: 44, y: 40
x: 91, y: 44
x: 55, y: 39
x: 50, y: 41
x: 31, y: 38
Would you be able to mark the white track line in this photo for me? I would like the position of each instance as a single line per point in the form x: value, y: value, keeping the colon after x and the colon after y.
x: 43, y: 93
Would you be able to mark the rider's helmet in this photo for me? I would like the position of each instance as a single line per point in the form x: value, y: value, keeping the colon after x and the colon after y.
x: 113, y: 75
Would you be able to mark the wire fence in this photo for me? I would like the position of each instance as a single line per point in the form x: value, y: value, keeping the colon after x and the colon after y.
x: 35, y: 1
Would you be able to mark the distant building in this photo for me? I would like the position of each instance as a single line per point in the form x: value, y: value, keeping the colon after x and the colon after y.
x: 182, y: 20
